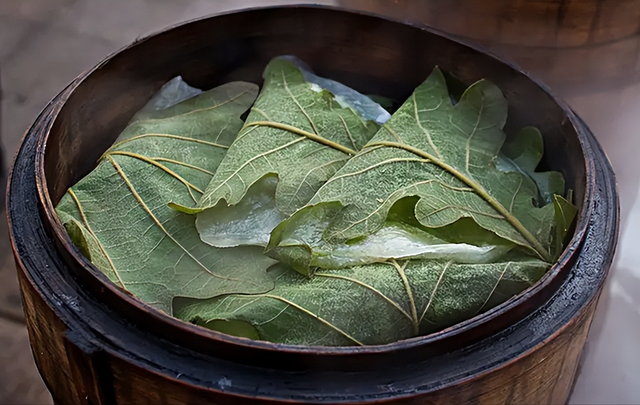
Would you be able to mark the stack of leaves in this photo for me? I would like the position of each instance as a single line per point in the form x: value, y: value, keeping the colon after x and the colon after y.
x: 320, y: 220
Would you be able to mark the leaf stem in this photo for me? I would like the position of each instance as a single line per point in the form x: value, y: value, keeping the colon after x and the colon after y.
x: 159, y: 224
x: 176, y: 137
x: 301, y: 132
x: 152, y: 162
x: 504, y: 270
x: 407, y: 286
x: 311, y: 314
x: 534, y: 243
x: 435, y: 290
x: 368, y: 287
x: 184, y: 164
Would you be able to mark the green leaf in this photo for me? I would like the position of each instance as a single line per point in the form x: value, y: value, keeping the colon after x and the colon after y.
x: 564, y: 214
x: 364, y: 305
x: 296, y: 133
x: 445, y: 156
x: 90, y: 247
x: 523, y: 154
x: 118, y: 214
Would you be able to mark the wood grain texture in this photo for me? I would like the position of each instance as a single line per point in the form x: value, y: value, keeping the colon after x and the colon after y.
x: 95, y: 344
x: 567, y: 43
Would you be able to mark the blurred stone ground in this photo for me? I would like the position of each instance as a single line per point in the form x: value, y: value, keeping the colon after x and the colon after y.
x: 44, y: 45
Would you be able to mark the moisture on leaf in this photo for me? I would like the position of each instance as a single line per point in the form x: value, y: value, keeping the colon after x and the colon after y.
x: 118, y: 214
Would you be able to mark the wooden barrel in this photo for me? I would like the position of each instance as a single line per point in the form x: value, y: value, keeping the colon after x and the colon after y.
x: 95, y: 344
x: 570, y: 44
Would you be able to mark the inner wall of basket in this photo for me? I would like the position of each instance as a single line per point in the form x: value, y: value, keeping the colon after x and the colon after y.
x: 372, y: 55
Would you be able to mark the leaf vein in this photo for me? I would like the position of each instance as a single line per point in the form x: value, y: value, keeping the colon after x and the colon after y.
x: 86, y: 224
x: 369, y: 287
x: 159, y: 224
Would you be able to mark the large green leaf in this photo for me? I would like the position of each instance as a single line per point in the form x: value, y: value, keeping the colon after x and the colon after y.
x: 295, y: 138
x: 118, y: 214
x: 373, y: 304
x: 445, y: 156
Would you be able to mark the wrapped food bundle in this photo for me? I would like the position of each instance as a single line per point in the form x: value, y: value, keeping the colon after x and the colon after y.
x: 322, y: 218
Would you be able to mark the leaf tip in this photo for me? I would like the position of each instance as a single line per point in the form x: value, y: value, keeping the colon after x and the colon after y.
x: 185, y: 210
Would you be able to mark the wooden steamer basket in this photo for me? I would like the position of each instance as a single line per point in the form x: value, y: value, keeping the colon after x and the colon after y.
x: 95, y: 344
x: 575, y: 46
